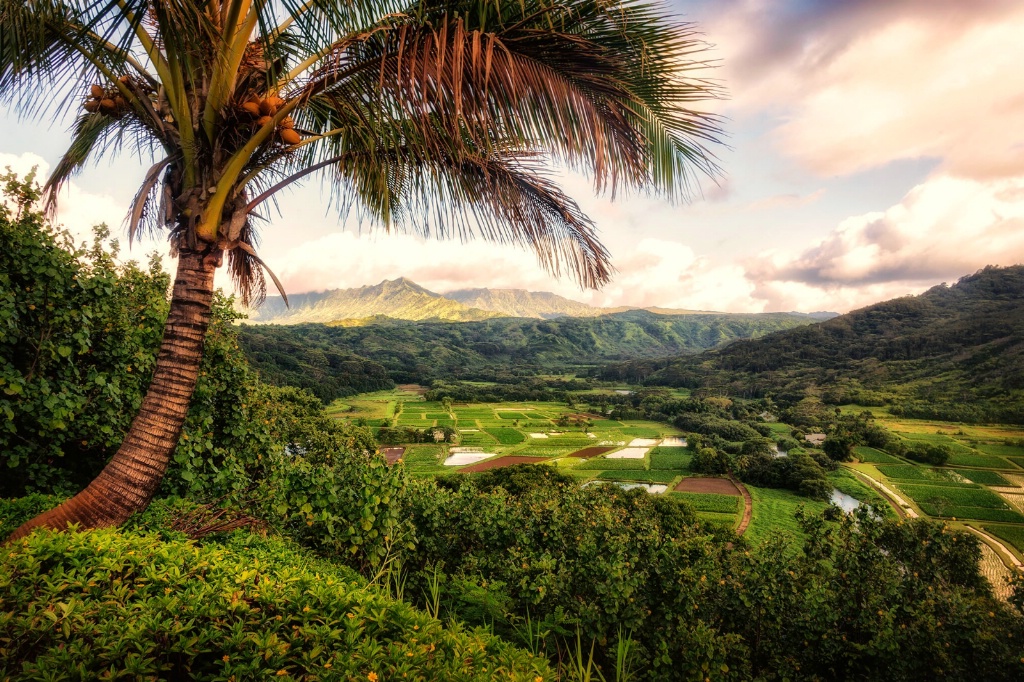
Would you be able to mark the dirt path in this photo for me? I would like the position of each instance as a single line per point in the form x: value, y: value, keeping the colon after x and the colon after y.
x: 989, y: 540
x: 901, y: 506
x: 748, y: 506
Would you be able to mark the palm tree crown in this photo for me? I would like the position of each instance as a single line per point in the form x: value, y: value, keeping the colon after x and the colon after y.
x: 434, y: 116
x: 437, y: 116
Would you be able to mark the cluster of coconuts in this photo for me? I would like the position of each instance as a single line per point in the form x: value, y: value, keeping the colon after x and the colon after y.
x: 107, y: 101
x: 263, y: 110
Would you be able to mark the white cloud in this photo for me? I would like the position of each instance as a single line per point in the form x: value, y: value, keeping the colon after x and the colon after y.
x: 858, y: 85
x: 942, y: 229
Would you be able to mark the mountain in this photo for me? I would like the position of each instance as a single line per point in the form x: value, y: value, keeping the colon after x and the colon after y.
x: 419, y: 352
x: 396, y: 299
x: 403, y: 299
x: 522, y: 303
x: 953, y: 352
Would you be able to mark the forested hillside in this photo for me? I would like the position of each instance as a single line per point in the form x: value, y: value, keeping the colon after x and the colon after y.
x: 955, y: 352
x: 409, y: 352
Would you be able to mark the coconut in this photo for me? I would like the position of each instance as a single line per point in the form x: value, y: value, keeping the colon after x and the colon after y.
x: 107, y: 106
x: 96, y: 91
x: 289, y: 136
x: 120, y: 102
x: 263, y: 120
x: 266, y: 108
x: 275, y: 101
x: 287, y: 122
x: 92, y: 106
x: 251, y: 108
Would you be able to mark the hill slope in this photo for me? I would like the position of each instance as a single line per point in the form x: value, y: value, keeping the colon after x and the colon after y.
x: 418, y: 352
x: 522, y: 303
x: 399, y: 299
x: 954, y: 352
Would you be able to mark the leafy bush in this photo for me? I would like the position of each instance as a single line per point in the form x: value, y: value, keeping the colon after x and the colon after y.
x: 125, y: 604
x: 929, y: 453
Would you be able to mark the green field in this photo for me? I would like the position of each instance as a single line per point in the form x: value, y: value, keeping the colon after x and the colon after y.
x: 506, y: 436
x: 873, y: 456
x: 972, y: 459
x: 639, y: 476
x: 670, y: 458
x: 711, y: 502
x: 1013, y: 535
x: 774, y: 513
x: 984, y: 477
x: 953, y: 496
x: 602, y: 464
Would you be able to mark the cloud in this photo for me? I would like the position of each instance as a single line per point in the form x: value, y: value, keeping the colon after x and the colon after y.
x: 942, y: 229
x: 856, y: 85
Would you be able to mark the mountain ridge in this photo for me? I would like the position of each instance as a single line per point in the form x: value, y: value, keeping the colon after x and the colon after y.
x: 403, y: 299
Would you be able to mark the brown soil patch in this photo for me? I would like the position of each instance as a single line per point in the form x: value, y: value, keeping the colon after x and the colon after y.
x: 748, y: 506
x: 392, y: 455
x: 721, y: 486
x: 413, y: 388
x: 505, y: 461
x: 590, y: 452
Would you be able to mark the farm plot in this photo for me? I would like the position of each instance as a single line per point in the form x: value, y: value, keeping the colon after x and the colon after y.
x: 512, y: 416
x: 595, y: 451
x: 507, y: 460
x: 873, y: 456
x: 1000, y: 450
x: 639, y: 475
x: 641, y: 432
x: 712, y: 502
x: 476, y: 438
x: 964, y: 502
x: 506, y: 436
x: 983, y: 477
x: 1012, y: 535
x: 605, y: 464
x: 462, y: 458
x: 629, y: 453
x: 392, y: 455
x: 973, y: 459
x: 718, y: 486
x: 670, y: 458
x: 910, y: 472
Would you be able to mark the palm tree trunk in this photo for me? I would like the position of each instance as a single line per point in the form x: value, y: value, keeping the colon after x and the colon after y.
x: 128, y: 482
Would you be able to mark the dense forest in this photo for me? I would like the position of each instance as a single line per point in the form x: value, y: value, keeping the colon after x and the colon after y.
x: 954, y: 352
x: 342, y: 360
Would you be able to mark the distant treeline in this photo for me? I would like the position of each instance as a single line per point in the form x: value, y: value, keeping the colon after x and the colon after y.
x: 337, y: 361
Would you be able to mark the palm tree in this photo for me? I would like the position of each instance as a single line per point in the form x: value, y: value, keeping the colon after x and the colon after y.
x: 435, y: 116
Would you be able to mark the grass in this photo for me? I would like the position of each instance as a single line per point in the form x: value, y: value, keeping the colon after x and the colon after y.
x: 511, y: 415
x: 670, y: 458
x: 507, y: 436
x: 873, y: 456
x: 719, y: 519
x: 774, y: 512
x: 639, y: 476
x: 983, y: 477
x: 953, y: 496
x: 963, y: 459
x: 711, y: 502
x: 1019, y: 461
x: 1013, y: 535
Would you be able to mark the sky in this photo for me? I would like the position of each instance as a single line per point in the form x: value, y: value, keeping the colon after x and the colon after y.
x: 874, y: 148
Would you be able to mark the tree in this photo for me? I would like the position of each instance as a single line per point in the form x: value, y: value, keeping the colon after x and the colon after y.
x: 433, y: 116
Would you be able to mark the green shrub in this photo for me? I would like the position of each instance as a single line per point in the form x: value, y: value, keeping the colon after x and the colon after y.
x: 109, y: 604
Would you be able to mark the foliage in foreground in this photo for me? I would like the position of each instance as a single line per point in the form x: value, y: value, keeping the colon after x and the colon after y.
x: 135, y: 604
x: 539, y: 558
